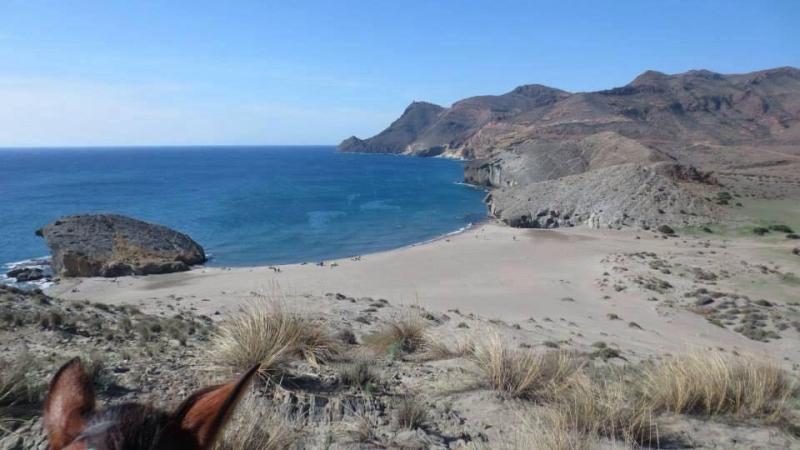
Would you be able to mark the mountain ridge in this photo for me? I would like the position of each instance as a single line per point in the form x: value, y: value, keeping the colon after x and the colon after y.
x: 554, y: 158
x: 657, y: 109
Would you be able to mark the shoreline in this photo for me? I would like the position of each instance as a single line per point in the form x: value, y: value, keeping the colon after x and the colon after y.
x: 564, y: 280
x: 48, y: 259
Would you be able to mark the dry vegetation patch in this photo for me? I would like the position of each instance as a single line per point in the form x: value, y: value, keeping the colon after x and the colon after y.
x: 17, y: 385
x: 411, y: 413
x: 271, y: 334
x: 603, y: 403
x: 361, y: 374
x: 255, y: 426
x: 580, y: 404
x: 439, y: 347
x: 399, y: 336
x: 714, y: 384
x: 524, y: 373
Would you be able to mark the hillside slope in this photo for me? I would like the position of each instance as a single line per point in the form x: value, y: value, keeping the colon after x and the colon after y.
x: 547, y: 153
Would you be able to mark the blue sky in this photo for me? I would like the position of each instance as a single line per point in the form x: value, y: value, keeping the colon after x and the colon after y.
x: 301, y: 72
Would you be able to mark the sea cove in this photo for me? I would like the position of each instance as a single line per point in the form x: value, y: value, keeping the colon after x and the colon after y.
x: 245, y: 205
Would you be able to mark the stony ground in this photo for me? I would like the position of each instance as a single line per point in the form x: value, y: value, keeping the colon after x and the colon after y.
x: 163, y: 357
x: 738, y: 281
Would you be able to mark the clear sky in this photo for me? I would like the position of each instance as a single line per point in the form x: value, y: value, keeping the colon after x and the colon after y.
x: 141, y: 72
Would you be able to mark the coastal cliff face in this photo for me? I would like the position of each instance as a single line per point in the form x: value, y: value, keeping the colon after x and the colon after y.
x: 541, y: 161
x: 110, y: 245
x: 613, y: 197
x: 664, y: 125
x: 401, y: 134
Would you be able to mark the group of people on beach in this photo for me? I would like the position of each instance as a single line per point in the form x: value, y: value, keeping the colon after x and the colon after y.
x: 333, y: 263
x: 275, y: 269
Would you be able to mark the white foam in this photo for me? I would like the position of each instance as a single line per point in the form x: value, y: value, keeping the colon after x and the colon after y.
x: 42, y: 263
x: 438, y: 238
x: 42, y: 260
x: 479, y: 188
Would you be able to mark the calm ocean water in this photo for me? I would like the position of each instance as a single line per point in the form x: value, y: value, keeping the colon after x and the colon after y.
x: 245, y: 205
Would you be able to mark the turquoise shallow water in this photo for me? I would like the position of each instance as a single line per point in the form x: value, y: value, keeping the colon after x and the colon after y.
x: 245, y: 205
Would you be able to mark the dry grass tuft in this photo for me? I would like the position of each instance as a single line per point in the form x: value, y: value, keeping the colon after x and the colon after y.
x: 560, y: 427
x: 605, y: 404
x: 525, y: 374
x: 550, y: 430
x: 17, y: 385
x: 255, y: 426
x: 361, y: 429
x: 399, y: 336
x: 269, y: 333
x: 360, y: 374
x: 436, y: 348
x: 411, y: 413
x: 714, y: 384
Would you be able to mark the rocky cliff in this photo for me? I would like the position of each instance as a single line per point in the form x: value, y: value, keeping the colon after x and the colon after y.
x: 555, y: 158
x: 613, y: 197
x: 110, y: 245
x: 536, y: 161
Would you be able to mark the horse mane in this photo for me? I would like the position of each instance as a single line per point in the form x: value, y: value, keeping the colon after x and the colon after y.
x: 128, y: 426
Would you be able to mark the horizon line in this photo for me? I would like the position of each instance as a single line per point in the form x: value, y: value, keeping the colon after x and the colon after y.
x: 153, y: 146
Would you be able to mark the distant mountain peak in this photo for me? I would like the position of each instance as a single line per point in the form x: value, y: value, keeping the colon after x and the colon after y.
x: 417, y: 105
x: 649, y: 78
x: 535, y: 90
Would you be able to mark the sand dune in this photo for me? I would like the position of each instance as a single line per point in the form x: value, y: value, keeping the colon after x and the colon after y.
x: 555, y: 277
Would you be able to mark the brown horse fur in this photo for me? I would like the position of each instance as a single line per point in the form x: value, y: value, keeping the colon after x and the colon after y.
x: 72, y: 423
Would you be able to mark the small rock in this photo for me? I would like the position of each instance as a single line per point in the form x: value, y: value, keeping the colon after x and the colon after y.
x: 702, y: 301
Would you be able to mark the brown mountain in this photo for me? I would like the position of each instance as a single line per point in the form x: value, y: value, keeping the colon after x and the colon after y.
x: 620, y: 157
x: 671, y: 113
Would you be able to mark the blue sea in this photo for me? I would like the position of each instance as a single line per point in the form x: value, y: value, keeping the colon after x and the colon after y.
x: 245, y: 205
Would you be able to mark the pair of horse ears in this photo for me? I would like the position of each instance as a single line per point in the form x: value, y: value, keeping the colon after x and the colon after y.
x: 71, y: 401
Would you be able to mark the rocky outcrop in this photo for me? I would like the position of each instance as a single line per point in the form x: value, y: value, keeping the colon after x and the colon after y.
x: 110, y: 245
x: 26, y: 274
x: 616, y: 196
x: 416, y: 119
x: 532, y: 162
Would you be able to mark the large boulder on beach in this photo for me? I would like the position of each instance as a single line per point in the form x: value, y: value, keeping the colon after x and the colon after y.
x: 111, y: 245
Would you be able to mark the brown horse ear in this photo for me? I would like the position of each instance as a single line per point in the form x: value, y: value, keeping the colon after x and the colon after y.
x: 205, y: 413
x: 70, y: 401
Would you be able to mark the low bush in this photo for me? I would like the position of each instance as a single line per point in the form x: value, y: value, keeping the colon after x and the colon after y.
x: 665, y: 229
x: 781, y: 228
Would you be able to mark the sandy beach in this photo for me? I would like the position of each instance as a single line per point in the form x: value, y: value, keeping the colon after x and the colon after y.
x: 568, y: 281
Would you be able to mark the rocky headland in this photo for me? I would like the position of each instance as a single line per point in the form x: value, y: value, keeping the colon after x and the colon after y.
x: 111, y: 245
x: 530, y: 145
